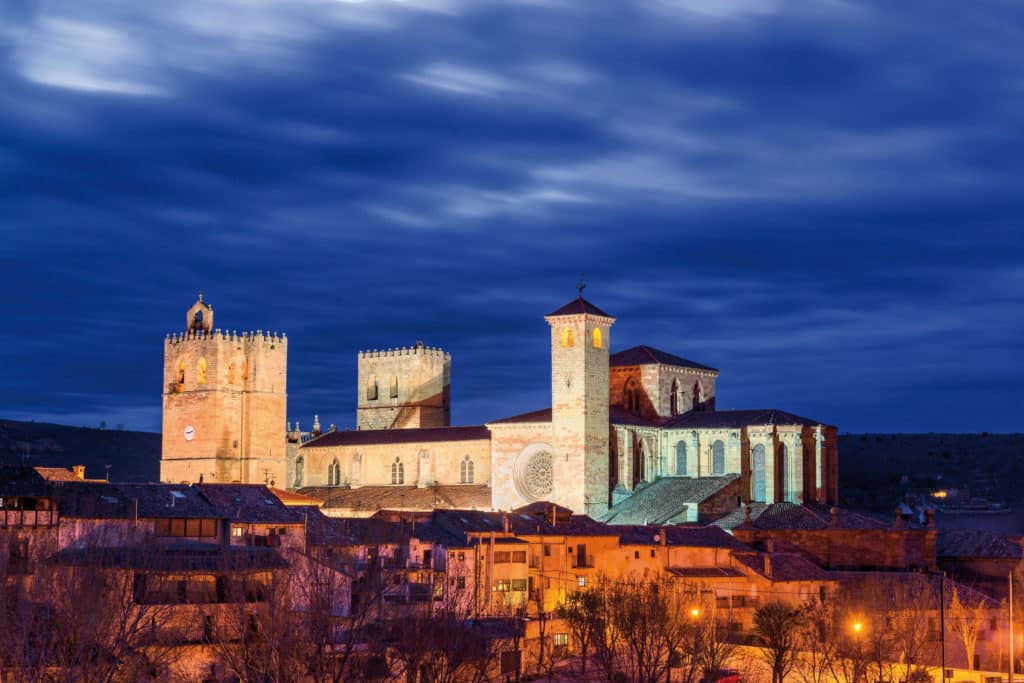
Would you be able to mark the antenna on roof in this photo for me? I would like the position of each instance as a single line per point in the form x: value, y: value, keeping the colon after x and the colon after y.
x: 581, y: 285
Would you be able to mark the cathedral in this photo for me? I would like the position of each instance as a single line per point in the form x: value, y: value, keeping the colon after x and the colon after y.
x: 630, y: 437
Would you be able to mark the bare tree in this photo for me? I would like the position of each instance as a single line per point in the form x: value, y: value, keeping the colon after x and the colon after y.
x: 816, y: 644
x: 777, y: 627
x: 966, y: 612
x: 583, y: 612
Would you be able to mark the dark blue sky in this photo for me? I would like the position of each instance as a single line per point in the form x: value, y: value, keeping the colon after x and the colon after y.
x: 822, y: 199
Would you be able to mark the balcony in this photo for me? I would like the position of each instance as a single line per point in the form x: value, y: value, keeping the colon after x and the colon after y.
x: 581, y: 562
x: 27, y: 518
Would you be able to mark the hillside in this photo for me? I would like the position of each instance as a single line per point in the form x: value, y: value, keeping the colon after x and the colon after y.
x: 132, y: 456
x: 875, y: 470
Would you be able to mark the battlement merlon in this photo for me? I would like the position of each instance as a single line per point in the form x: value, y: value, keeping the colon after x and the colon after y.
x: 271, y: 339
x: 418, y: 350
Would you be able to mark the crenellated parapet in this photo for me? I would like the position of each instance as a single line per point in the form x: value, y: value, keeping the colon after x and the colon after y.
x: 268, y: 338
x: 418, y: 350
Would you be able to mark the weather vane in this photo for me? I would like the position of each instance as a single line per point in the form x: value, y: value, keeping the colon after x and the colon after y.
x: 581, y: 285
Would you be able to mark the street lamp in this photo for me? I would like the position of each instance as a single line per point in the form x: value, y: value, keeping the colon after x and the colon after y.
x: 694, y: 612
x: 857, y: 626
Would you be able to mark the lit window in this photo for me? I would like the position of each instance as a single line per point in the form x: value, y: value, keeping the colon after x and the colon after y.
x: 583, y: 581
x: 181, y: 372
x: 201, y: 378
x: 237, y: 531
x: 397, y: 472
x: 567, y: 337
x: 597, y: 338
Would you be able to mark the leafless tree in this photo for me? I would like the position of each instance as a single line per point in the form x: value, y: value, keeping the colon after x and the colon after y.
x: 777, y: 626
x: 583, y: 613
x: 966, y: 616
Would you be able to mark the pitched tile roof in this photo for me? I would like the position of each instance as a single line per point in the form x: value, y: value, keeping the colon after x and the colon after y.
x: 646, y: 355
x: 183, y: 557
x: 292, y: 498
x: 249, y: 503
x: 791, y: 516
x: 374, y: 498
x: 719, y: 419
x: 705, y: 572
x: 686, y: 536
x: 578, y: 306
x: 783, y: 566
x: 388, y: 436
x: 92, y: 500
x: 349, y: 531
x: 542, y: 415
x: 16, y: 480
x: 977, y: 543
x: 664, y: 500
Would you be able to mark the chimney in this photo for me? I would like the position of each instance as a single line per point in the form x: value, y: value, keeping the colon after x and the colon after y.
x: 930, y: 516
x: 768, y: 565
x: 769, y: 545
x: 897, y: 520
x: 746, y: 516
x: 79, y: 471
x: 504, y: 522
x: 664, y: 536
x: 554, y: 515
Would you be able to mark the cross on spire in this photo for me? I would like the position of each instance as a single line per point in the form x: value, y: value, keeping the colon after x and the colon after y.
x: 581, y: 285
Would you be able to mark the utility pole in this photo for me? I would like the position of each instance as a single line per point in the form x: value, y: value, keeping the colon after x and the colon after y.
x: 1011, y: 625
x: 942, y: 623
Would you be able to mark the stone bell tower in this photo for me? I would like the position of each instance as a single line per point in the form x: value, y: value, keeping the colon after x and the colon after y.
x: 224, y: 403
x: 579, y: 405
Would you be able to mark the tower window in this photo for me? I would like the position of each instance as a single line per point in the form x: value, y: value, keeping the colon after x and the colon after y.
x: 597, y: 338
x: 568, y: 339
x: 371, y: 388
x: 397, y: 472
x: 631, y: 396
x: 334, y: 473
x: 394, y: 387
x: 201, y: 377
x: 181, y: 372
x: 681, y: 459
x: 466, y: 471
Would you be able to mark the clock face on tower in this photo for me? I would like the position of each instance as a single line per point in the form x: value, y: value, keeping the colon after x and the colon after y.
x: 190, y: 433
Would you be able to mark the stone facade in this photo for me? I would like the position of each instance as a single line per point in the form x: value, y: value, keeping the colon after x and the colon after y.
x: 224, y: 405
x: 404, y: 388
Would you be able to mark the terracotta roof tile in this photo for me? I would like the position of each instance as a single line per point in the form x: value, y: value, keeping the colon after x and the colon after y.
x: 578, y: 306
x: 977, y: 543
x: 783, y: 566
x: 646, y: 355
x: 249, y: 503
x: 665, y: 500
x: 718, y: 419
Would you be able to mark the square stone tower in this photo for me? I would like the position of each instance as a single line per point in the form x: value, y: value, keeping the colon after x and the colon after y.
x: 405, y: 388
x: 224, y: 404
x: 579, y: 405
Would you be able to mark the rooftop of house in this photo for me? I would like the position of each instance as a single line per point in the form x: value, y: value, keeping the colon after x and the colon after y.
x: 17, y: 481
x: 253, y: 503
x: 180, y: 557
x: 783, y: 566
x: 808, y: 516
x: 91, y: 500
x: 977, y: 544
x: 705, y: 572
x: 679, y: 536
x: 373, y: 498
x: 354, y: 531
x: 665, y: 500
x: 362, y: 437
x: 646, y: 355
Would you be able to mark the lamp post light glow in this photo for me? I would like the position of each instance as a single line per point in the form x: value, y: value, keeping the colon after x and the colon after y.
x: 857, y: 626
x: 694, y: 612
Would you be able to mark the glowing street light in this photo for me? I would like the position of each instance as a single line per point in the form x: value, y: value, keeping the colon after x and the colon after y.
x: 694, y: 612
x: 857, y: 626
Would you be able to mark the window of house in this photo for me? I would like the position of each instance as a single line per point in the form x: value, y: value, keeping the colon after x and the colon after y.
x: 582, y: 581
x: 547, y: 550
x: 636, y: 554
x: 502, y: 556
x: 518, y: 585
x: 466, y: 471
x: 397, y: 472
x: 519, y: 556
x: 460, y: 582
x: 237, y: 531
x: 177, y: 527
x: 462, y: 557
x: 653, y: 553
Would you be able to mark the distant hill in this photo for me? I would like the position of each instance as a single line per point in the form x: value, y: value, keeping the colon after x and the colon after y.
x: 875, y: 470
x: 132, y: 456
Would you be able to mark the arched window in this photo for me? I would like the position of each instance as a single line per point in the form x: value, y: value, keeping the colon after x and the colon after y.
x: 371, y: 388
x: 334, y: 473
x: 466, y: 471
x: 299, y: 466
x: 674, y: 407
x: 568, y: 339
x: 681, y: 459
x: 397, y: 472
x: 201, y: 378
x: 597, y: 338
x: 394, y: 387
x: 758, y: 489
x: 181, y: 372
x: 698, y: 396
x: 718, y: 458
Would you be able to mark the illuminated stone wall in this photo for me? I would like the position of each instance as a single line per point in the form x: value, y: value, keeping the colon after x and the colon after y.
x: 404, y: 388
x: 224, y: 407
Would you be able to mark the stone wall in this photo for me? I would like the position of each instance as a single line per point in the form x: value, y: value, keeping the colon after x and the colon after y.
x: 509, y: 442
x: 228, y: 393
x: 656, y: 381
x: 404, y: 388
x: 423, y: 463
